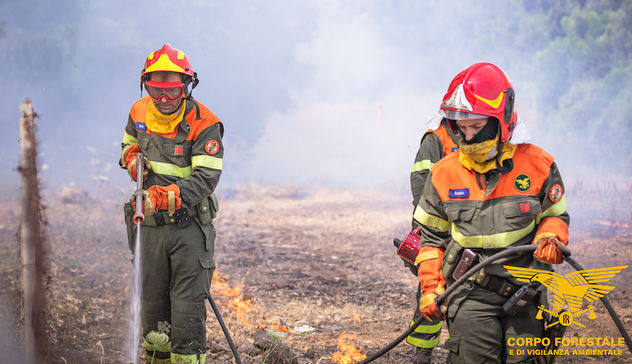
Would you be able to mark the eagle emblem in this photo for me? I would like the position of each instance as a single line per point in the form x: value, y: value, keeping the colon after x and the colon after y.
x: 570, y: 290
x: 522, y: 182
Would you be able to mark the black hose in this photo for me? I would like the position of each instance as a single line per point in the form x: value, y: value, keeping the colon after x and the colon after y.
x: 604, y: 300
x: 224, y: 329
x: 475, y: 269
x: 440, y: 299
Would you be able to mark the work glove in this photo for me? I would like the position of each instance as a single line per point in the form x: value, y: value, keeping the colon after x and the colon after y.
x: 160, y: 198
x: 128, y: 159
x: 549, y: 250
x: 431, y: 279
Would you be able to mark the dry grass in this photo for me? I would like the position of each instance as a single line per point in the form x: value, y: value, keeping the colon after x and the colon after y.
x: 321, y: 258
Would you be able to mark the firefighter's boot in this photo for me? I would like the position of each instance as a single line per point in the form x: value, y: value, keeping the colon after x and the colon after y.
x: 157, y: 348
x: 188, y: 359
x: 423, y: 356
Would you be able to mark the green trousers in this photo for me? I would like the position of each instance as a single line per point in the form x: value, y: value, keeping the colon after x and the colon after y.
x: 176, y: 271
x: 479, y: 330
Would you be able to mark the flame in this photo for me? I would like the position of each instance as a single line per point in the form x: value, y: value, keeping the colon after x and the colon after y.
x: 356, y: 319
x: 621, y: 229
x: 279, y: 328
x: 347, y: 352
x: 233, y: 297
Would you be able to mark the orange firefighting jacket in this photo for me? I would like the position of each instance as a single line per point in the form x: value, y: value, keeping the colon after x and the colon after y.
x: 190, y: 156
x: 461, y: 208
x: 435, y: 144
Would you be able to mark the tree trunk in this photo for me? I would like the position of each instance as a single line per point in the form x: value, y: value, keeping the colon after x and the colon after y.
x: 35, y: 342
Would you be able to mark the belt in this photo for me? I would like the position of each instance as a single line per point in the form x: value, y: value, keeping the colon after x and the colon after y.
x: 180, y: 217
x: 495, y: 284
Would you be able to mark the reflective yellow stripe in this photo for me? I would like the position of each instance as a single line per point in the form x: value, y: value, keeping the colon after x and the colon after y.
x: 556, y: 209
x: 129, y: 140
x: 499, y: 240
x: 421, y: 165
x: 425, y: 218
x: 206, y: 161
x: 170, y: 169
x: 421, y: 343
x: 427, y: 329
x: 428, y: 254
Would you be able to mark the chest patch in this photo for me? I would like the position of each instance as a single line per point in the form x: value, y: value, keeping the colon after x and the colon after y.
x: 522, y: 182
x: 141, y: 126
x: 459, y: 193
x: 178, y: 149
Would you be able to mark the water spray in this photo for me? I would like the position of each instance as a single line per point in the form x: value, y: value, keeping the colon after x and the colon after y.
x: 138, y: 219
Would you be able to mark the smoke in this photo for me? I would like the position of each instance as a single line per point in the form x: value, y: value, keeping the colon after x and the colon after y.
x: 311, y: 93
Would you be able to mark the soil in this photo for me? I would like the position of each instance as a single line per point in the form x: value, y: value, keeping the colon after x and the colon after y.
x: 322, y: 260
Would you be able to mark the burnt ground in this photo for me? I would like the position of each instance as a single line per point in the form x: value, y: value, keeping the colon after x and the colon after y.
x: 322, y: 259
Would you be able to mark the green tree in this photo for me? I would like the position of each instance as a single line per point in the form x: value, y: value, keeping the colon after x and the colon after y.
x: 586, y: 77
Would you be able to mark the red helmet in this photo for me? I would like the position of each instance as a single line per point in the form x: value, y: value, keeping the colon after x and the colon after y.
x: 168, y: 59
x: 482, y: 90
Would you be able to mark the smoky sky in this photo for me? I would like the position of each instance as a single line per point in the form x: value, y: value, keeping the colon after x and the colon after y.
x: 312, y: 93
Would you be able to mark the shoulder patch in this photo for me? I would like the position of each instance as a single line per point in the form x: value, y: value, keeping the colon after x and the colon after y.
x: 141, y: 126
x: 522, y: 182
x: 211, y: 147
x: 556, y: 193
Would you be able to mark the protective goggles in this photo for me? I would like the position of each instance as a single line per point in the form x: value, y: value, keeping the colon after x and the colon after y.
x: 460, y: 115
x: 173, y: 91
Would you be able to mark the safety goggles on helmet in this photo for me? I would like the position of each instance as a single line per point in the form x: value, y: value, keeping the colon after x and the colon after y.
x: 173, y: 91
x: 460, y: 115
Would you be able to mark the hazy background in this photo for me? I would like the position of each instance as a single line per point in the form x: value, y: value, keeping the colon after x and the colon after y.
x: 315, y: 93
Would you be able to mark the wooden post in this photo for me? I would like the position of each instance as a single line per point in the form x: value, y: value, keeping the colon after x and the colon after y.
x: 35, y: 343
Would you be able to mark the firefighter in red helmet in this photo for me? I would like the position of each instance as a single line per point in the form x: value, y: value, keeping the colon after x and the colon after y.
x: 181, y: 141
x: 494, y: 192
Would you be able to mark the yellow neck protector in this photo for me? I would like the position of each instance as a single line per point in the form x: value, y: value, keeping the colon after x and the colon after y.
x: 480, y: 157
x: 160, y: 123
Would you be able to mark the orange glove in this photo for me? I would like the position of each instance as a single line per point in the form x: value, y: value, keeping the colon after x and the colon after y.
x: 431, y: 278
x: 161, y: 198
x: 549, y: 250
x: 128, y: 159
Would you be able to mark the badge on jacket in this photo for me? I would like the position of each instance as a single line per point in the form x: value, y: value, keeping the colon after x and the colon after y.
x: 459, y: 193
x: 141, y: 126
x: 178, y: 149
x: 556, y: 193
x: 522, y: 182
x: 212, y: 147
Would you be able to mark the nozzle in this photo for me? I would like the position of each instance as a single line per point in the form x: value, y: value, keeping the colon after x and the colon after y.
x: 139, y: 217
x: 397, y: 242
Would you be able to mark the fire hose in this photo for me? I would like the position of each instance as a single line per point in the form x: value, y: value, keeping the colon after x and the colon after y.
x: 138, y: 219
x: 475, y: 269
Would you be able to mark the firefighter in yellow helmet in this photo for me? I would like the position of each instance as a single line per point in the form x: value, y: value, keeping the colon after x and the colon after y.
x: 494, y: 192
x: 181, y: 141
